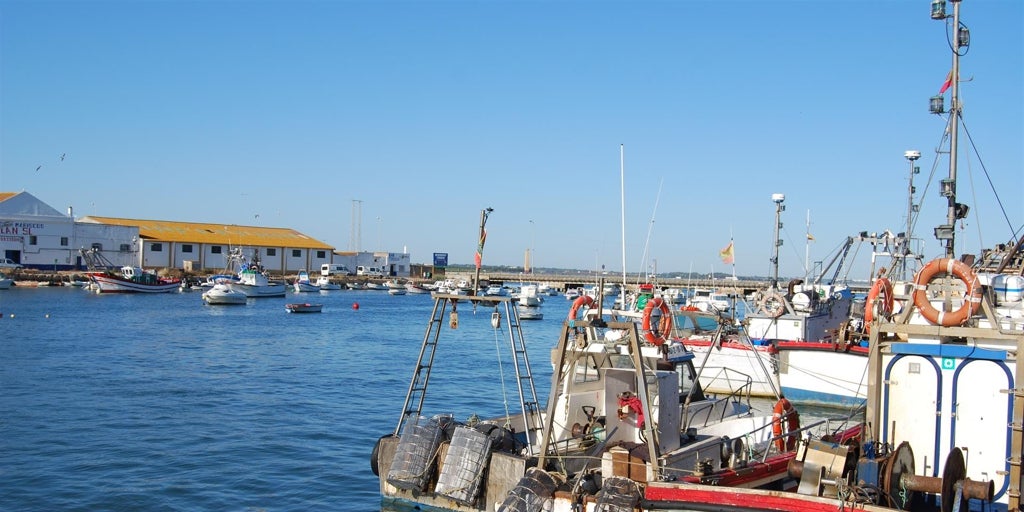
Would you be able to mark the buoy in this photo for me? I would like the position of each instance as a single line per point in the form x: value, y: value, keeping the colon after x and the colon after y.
x: 47, y: 315
x: 355, y: 305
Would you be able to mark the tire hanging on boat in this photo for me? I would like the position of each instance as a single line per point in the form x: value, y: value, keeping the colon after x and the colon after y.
x: 792, y: 420
x: 663, y: 331
x: 958, y: 269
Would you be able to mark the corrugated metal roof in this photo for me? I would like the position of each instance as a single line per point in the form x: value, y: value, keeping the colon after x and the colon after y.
x: 170, y: 231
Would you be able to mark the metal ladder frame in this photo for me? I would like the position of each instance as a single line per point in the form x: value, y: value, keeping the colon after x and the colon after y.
x: 418, y: 384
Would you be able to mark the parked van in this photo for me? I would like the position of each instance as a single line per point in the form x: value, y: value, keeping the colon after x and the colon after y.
x: 369, y: 271
x: 330, y: 269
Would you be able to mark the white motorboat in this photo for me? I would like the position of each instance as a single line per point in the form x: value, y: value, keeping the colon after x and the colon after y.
x: 222, y: 294
x: 324, y: 283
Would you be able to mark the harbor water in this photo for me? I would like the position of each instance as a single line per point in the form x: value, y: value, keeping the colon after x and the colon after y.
x: 158, y: 402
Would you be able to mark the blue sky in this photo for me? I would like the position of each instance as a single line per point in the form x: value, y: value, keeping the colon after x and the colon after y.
x: 285, y: 113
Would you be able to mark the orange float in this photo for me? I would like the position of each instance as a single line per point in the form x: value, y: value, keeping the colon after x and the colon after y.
x: 784, y: 408
x: 580, y: 302
x: 883, y: 288
x: 664, y: 329
x: 958, y: 269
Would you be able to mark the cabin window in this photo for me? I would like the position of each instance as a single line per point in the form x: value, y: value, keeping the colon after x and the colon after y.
x: 296, y: 253
x: 215, y: 249
x: 186, y: 248
x: 586, y: 370
x: 125, y: 248
x: 97, y: 246
x: 321, y: 255
x: 156, y: 248
x: 271, y: 252
x: 32, y: 240
x: 63, y: 241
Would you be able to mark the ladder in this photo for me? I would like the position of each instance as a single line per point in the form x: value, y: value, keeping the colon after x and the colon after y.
x: 417, y: 391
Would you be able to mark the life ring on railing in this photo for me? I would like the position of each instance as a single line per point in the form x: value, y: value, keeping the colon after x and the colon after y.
x: 773, y: 304
x: 792, y: 420
x: 960, y: 270
x: 881, y: 287
x: 664, y: 327
x: 583, y: 300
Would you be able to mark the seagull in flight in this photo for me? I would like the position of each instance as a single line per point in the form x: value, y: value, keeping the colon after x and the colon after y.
x: 62, y: 155
x: 37, y: 168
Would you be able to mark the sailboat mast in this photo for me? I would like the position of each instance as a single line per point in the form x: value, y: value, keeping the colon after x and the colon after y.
x: 622, y: 201
x: 954, y: 210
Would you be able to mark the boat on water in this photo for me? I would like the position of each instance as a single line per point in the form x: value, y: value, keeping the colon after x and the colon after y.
x: 252, y: 279
x: 324, y: 283
x: 709, y: 301
x: 530, y: 312
x: 396, y: 288
x: 944, y: 407
x: 625, y: 409
x: 303, y: 307
x: 5, y: 282
x: 793, y: 330
x: 415, y: 289
x: 302, y: 283
x: 222, y: 295
x: 127, y: 279
x: 529, y: 296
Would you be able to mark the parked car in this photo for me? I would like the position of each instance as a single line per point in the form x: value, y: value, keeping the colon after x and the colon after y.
x: 10, y: 264
x: 369, y: 271
x: 330, y: 269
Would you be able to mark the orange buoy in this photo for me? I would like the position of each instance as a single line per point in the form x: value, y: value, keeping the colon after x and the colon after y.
x: 972, y: 296
x: 664, y: 327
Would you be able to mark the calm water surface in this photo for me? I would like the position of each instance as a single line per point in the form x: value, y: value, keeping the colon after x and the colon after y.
x: 158, y: 402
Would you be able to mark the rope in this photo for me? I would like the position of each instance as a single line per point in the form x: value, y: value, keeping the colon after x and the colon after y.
x: 501, y: 375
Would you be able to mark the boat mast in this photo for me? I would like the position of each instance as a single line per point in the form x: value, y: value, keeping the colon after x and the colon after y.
x: 961, y: 39
x: 622, y: 206
x: 779, y: 208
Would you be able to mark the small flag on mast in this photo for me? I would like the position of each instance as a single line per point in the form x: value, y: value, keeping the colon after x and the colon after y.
x: 948, y: 83
x: 478, y: 259
x: 727, y: 254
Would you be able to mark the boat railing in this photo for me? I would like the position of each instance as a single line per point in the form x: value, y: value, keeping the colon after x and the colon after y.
x: 738, y: 383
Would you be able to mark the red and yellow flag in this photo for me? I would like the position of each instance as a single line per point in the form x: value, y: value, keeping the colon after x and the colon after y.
x: 948, y: 83
x: 727, y: 254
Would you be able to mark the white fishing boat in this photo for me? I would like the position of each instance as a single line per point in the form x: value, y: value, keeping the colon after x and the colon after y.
x: 530, y: 312
x: 128, y: 279
x: 302, y: 283
x: 624, y: 409
x: 5, y: 282
x: 416, y: 289
x: 252, y: 279
x: 945, y: 403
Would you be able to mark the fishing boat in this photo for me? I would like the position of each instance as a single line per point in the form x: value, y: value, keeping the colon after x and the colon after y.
x: 303, y: 307
x: 944, y: 407
x: 5, y: 282
x: 222, y: 295
x: 303, y: 284
x: 252, y: 279
x: 530, y: 312
x: 127, y: 279
x: 416, y: 289
x: 793, y: 330
x: 625, y: 409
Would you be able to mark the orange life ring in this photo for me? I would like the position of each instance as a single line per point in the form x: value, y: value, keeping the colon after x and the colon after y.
x: 664, y: 327
x: 881, y: 287
x: 581, y: 301
x: 784, y: 408
x: 960, y: 270
x: 773, y: 304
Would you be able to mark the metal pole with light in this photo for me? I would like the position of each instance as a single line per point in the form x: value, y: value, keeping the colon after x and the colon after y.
x: 912, y: 156
x: 778, y: 199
